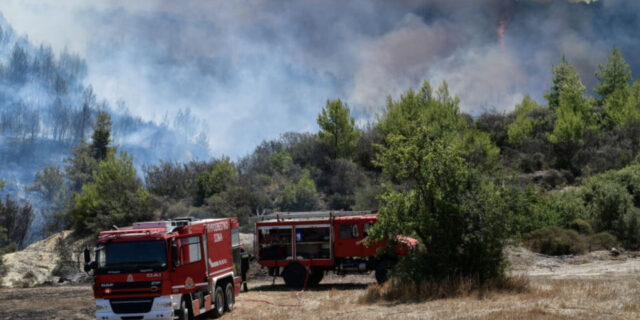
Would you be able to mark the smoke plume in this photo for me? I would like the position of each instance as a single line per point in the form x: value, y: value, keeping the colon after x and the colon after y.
x: 253, y: 69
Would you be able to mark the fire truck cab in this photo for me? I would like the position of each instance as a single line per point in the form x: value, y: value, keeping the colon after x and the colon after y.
x: 176, y: 269
x: 302, y: 246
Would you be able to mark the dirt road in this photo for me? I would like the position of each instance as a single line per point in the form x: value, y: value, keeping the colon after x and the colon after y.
x: 595, y: 286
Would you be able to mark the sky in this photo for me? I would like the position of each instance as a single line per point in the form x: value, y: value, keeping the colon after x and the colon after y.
x: 252, y: 69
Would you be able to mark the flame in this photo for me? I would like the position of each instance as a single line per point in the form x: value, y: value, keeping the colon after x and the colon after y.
x: 501, y: 29
x: 505, y: 19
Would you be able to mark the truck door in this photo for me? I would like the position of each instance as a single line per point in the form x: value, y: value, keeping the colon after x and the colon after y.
x: 188, y: 270
x: 347, y: 237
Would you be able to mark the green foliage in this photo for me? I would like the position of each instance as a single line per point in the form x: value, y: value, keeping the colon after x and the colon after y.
x: 581, y: 226
x: 299, y: 196
x: 556, y: 241
x: 438, y: 112
x: 522, y: 126
x: 281, y: 162
x: 614, y: 76
x: 115, y: 197
x: 101, y: 137
x: 608, y: 202
x: 217, y: 180
x: 622, y: 106
x: 80, y: 167
x: 531, y: 210
x: 337, y: 129
x: 455, y: 212
x: 602, y: 241
x: 2, y: 183
x: 567, y: 100
x: 368, y: 197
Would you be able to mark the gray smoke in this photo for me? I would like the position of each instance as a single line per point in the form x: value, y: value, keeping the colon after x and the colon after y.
x: 253, y: 69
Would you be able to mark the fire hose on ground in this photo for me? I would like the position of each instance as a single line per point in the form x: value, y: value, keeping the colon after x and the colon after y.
x: 300, y: 302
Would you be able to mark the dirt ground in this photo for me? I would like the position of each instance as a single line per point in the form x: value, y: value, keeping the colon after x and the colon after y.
x: 594, y: 286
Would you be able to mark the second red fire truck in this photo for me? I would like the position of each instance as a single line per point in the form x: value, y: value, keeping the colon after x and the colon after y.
x: 302, y: 246
x: 175, y: 269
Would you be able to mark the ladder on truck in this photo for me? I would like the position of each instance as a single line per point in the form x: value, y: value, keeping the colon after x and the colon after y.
x: 281, y: 216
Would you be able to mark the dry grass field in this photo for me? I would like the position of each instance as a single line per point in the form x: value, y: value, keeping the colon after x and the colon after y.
x: 586, y: 287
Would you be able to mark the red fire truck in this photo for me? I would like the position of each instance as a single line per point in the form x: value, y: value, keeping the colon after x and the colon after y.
x: 302, y: 246
x: 175, y: 269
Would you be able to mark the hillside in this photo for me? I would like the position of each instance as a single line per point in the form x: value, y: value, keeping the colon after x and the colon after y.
x: 47, y: 107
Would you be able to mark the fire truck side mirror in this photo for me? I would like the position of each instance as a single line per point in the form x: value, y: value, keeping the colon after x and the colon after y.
x: 175, y: 255
x: 87, y: 256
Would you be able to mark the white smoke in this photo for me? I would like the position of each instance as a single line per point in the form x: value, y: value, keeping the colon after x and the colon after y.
x: 254, y: 69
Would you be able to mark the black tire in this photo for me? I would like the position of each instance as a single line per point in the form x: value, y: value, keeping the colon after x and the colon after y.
x: 218, y: 302
x: 315, y: 277
x: 294, y: 275
x: 229, y: 297
x: 184, y: 313
x: 383, y: 270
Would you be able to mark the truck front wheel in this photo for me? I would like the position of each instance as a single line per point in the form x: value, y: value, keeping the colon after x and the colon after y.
x: 183, y: 313
x: 295, y: 275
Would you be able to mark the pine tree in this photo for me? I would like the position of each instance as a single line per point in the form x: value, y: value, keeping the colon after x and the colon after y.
x: 614, y: 75
x: 338, y: 129
x: 101, y: 136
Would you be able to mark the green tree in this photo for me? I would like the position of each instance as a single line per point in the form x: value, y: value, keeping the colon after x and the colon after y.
x: 337, y: 129
x: 614, y: 75
x: 572, y: 111
x: 115, y: 197
x: 622, y: 106
x: 522, y: 127
x: 80, y: 167
x: 563, y: 75
x: 444, y: 200
x: 85, y: 158
x: 101, y: 138
x: 299, y: 196
x: 217, y: 180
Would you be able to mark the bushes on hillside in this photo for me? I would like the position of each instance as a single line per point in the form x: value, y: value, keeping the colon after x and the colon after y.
x: 556, y: 241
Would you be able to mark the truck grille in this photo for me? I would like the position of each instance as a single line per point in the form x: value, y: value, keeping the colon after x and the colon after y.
x: 128, y: 288
x: 141, y: 305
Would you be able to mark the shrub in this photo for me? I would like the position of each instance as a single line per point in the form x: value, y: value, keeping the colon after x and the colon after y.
x: 602, y: 241
x: 581, y: 226
x: 556, y: 241
x: 399, y: 290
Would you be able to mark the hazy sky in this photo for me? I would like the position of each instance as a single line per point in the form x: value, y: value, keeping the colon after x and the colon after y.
x: 255, y: 69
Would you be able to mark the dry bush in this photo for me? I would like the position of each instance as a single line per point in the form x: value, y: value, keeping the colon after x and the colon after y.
x: 556, y: 241
x: 399, y: 290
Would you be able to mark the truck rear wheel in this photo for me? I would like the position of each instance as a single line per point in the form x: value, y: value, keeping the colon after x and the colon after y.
x: 218, y: 302
x: 229, y: 297
x: 316, y: 276
x: 295, y: 275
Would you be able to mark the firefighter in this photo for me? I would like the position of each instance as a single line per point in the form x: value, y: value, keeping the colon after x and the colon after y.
x: 244, y: 267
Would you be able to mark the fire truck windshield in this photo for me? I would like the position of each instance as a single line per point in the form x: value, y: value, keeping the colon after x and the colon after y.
x: 141, y: 256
